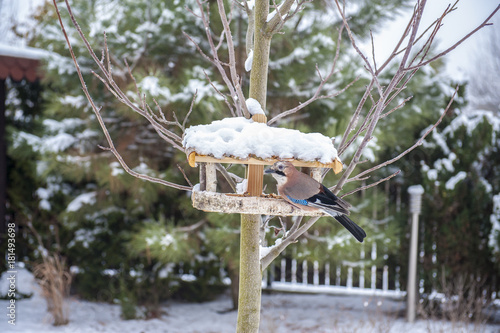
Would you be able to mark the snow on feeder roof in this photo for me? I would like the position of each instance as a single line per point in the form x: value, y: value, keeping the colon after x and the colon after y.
x: 245, y: 141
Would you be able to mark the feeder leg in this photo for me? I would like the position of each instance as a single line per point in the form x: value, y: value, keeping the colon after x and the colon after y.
x: 203, y: 176
x: 211, y: 174
x: 316, y: 174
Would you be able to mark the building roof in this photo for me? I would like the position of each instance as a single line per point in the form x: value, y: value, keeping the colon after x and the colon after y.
x: 20, y: 62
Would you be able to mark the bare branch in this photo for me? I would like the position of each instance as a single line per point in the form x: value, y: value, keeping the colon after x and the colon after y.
x: 355, y: 46
x: 373, y: 52
x: 372, y: 184
x: 229, y: 106
x: 167, y: 135
x: 314, y: 98
x: 232, y: 59
x: 190, y: 110
x: 418, y: 143
x: 383, y: 93
x: 277, y: 21
x: 97, y: 110
x: 226, y: 175
x: 451, y: 48
x: 291, y: 237
x: 184, y: 175
x: 399, y: 106
x: 354, y: 120
x: 317, y: 95
x: 369, y: 117
x: 192, y: 227
x: 234, y: 89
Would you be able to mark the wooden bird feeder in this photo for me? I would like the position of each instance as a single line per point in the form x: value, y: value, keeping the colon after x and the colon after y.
x: 205, y: 197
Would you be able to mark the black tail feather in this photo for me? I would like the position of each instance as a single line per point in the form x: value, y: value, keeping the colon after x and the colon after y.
x: 353, y: 228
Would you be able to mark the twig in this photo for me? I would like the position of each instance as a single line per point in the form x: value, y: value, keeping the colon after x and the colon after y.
x: 354, y: 119
x: 275, y: 24
x: 233, y: 90
x: 418, y: 143
x: 291, y: 237
x: 373, y: 52
x: 229, y: 106
x: 311, y: 100
x: 226, y: 176
x: 192, y: 227
x: 383, y: 93
x: 184, y: 174
x: 232, y: 59
x: 167, y: 135
x: 190, y: 110
x: 399, y: 106
x: 323, y: 81
x: 372, y: 184
x: 97, y: 110
x: 448, y: 50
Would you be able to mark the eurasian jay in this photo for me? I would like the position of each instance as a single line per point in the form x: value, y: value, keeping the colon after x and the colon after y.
x: 306, y: 193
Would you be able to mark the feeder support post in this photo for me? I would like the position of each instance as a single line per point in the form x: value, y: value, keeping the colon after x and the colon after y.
x: 249, y: 297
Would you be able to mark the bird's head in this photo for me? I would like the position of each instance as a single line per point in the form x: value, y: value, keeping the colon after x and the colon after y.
x: 280, y: 171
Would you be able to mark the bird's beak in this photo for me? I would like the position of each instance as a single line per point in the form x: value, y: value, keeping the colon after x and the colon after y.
x: 269, y: 170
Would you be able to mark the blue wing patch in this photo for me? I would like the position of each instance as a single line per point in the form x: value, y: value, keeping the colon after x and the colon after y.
x: 297, y: 201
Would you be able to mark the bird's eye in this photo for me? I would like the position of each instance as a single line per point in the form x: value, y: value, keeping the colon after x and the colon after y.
x: 280, y: 167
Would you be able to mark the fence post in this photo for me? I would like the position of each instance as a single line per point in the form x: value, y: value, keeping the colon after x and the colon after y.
x: 415, y: 192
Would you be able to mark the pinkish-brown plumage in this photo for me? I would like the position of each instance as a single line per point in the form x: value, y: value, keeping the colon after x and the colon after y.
x: 306, y: 193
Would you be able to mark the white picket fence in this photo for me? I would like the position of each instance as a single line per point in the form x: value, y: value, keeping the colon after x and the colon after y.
x: 311, y: 278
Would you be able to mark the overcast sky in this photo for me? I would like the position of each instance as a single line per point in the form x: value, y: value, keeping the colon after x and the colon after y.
x: 469, y: 14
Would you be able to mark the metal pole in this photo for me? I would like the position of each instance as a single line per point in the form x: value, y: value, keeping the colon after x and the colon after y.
x: 415, y: 192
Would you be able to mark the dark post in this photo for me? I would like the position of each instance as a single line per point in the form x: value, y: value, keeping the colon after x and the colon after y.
x: 3, y: 160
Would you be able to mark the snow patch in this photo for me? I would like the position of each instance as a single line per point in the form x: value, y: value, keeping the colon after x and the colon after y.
x: 242, y: 138
x: 151, y: 86
x: 25, y: 52
x: 44, y: 195
x: 242, y: 187
x: 75, y: 101
x: 278, y: 9
x: 82, y: 199
x: 249, y: 61
x: 58, y: 143
x: 302, y: 311
x: 254, y: 106
x: 495, y: 225
x: 167, y: 240
x: 446, y: 163
x: 453, y: 181
x: 188, y: 277
x: 264, y: 250
x: 116, y: 169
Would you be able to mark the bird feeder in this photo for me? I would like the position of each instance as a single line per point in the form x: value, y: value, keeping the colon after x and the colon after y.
x: 250, y: 141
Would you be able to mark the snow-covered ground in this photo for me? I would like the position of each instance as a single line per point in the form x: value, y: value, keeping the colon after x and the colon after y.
x: 280, y: 313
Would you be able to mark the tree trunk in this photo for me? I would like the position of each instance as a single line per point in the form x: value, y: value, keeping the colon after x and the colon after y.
x: 250, y: 275
x: 250, y: 267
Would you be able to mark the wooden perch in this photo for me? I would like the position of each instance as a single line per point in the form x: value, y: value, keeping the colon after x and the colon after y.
x: 233, y: 203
